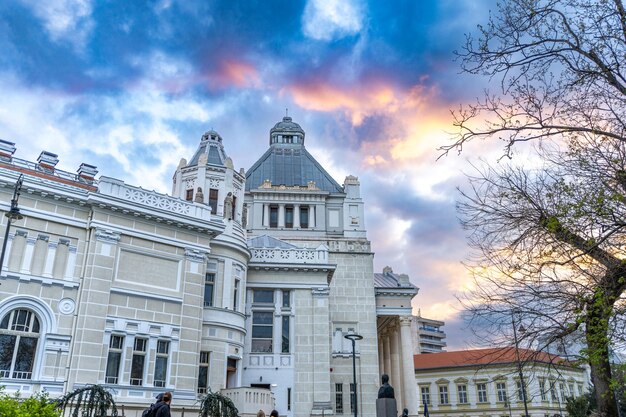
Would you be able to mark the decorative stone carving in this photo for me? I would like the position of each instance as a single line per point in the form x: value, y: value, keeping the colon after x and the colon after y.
x: 244, y: 216
x: 320, y: 292
x: 228, y: 206
x: 195, y: 255
x: 199, y: 198
x: 67, y: 306
x: 106, y: 236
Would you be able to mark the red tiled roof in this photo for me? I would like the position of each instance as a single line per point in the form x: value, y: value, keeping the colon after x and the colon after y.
x: 477, y: 357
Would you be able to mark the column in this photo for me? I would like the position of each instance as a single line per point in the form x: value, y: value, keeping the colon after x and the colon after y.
x: 47, y: 269
x: 409, y: 392
x: 396, y: 380
x: 281, y: 215
x: 381, y: 360
x: 296, y: 216
x: 6, y: 253
x: 266, y: 215
x: 387, y: 352
x: 28, y: 255
x: 311, y: 216
x: 71, y: 263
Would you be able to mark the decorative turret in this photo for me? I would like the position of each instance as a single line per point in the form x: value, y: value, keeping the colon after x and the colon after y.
x: 210, y: 151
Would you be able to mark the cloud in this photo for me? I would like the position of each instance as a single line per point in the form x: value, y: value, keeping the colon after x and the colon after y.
x: 327, y: 20
x: 65, y: 20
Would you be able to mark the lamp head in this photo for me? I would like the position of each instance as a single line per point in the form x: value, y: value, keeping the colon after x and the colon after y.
x: 14, y: 212
x: 353, y: 336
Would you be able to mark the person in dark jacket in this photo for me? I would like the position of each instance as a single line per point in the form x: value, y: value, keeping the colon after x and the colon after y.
x: 163, y: 407
x: 274, y: 413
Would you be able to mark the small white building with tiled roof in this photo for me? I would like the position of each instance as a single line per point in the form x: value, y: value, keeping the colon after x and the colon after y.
x: 487, y: 382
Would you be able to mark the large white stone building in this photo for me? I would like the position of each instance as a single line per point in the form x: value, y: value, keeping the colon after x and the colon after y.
x: 240, y: 282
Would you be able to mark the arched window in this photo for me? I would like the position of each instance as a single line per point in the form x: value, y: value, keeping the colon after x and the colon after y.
x: 19, y: 334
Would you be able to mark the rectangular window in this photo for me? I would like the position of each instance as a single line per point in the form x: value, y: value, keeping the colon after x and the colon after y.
x: 542, y: 389
x: 203, y: 374
x: 114, y: 359
x: 285, y: 335
x: 209, y: 283
x: 338, y: 398
x: 425, y: 395
x: 580, y: 390
x: 501, y: 391
x: 213, y: 197
x: 274, y: 216
x: 160, y: 363
x: 138, y: 362
x: 286, y: 300
x: 571, y: 390
x: 263, y: 296
x: 289, y: 217
x: 352, y: 397
x: 520, y: 392
x: 304, y: 217
x: 553, y: 391
x: 462, y: 391
x: 262, y: 329
x: 443, y: 395
x: 481, y: 389
x: 236, y: 295
x: 189, y: 195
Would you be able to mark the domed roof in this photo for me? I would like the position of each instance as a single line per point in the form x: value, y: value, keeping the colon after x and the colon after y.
x: 210, y: 151
x: 287, y: 126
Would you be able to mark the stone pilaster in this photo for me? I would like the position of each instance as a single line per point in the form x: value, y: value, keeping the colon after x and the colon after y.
x: 321, y: 352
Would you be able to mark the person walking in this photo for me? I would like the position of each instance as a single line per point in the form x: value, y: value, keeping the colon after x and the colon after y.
x: 163, y: 408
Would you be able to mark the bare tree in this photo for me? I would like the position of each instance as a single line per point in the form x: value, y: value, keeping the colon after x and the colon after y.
x: 560, y: 65
x: 550, y: 246
x: 550, y: 242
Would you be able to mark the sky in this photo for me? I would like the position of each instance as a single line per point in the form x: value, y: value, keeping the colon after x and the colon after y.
x: 131, y: 86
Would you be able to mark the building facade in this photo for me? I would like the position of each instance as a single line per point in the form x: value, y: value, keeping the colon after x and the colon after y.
x: 239, y: 282
x: 488, y: 382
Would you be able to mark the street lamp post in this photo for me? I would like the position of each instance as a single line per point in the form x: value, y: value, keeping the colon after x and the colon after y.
x: 12, y: 214
x: 353, y: 337
x: 519, y: 364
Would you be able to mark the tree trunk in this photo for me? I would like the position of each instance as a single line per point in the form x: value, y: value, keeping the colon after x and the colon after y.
x: 597, y: 326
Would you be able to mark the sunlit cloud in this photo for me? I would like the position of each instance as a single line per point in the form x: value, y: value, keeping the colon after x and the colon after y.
x: 326, y: 20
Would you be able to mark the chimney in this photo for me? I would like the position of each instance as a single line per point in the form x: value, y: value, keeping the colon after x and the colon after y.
x: 87, y: 173
x: 7, y: 149
x: 47, y: 161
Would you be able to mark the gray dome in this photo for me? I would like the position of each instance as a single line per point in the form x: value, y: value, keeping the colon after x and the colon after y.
x: 287, y: 131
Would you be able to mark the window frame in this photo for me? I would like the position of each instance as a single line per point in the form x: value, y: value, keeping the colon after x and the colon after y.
x: 482, y: 395
x: 161, y: 356
x: 22, y: 325
x: 138, y: 359
x: 115, y: 350
x: 461, y: 390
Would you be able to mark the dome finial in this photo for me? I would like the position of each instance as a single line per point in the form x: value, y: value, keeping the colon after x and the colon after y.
x: 287, y: 112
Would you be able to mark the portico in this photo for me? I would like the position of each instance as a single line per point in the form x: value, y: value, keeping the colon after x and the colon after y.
x: 396, y: 341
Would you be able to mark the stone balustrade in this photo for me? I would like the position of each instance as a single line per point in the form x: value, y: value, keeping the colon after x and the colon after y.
x: 318, y: 255
x: 250, y: 400
x: 116, y: 188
